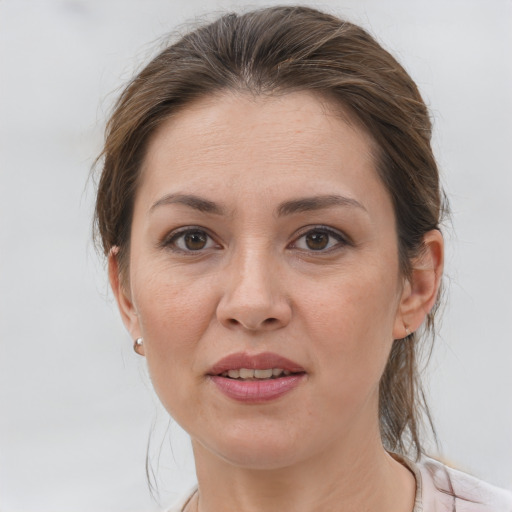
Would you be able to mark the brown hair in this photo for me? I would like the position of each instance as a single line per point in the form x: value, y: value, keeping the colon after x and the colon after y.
x: 275, y: 51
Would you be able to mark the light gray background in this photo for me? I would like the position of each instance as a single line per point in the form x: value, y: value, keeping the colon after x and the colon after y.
x: 76, y: 406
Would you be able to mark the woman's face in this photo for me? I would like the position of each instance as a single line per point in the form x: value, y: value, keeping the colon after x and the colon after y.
x: 262, y: 239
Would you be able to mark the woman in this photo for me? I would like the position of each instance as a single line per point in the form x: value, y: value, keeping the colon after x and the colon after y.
x: 270, y: 208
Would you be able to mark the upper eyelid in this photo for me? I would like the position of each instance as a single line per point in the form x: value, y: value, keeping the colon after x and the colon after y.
x: 327, y: 229
x: 185, y: 229
x: 178, y: 232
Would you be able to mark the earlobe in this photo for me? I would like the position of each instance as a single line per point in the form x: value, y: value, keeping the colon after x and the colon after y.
x: 123, y: 298
x: 420, y: 291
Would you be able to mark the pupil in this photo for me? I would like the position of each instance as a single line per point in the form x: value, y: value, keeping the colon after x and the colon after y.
x: 317, y: 241
x: 195, y: 241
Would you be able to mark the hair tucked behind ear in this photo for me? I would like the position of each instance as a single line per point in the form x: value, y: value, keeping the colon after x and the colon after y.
x: 276, y: 51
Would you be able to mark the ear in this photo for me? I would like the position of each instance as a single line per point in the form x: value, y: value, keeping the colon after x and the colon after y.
x: 123, y: 298
x: 420, y: 290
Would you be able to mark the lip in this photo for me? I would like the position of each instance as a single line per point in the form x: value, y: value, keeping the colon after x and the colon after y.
x: 256, y: 391
x: 262, y: 361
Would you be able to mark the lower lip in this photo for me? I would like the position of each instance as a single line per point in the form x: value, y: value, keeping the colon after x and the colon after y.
x: 257, y: 391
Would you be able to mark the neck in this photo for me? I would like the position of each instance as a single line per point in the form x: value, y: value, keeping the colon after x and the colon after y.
x: 366, y: 479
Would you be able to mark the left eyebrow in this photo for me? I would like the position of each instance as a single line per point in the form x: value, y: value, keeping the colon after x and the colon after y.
x: 308, y: 204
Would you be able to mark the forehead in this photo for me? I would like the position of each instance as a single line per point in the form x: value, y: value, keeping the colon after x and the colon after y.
x: 280, y: 143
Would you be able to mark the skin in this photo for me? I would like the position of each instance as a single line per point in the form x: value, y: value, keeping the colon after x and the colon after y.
x: 258, y: 286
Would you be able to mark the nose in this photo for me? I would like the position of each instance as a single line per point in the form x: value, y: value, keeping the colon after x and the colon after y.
x: 253, y: 298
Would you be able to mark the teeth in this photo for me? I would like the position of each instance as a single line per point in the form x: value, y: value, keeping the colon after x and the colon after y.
x: 246, y: 373
x: 263, y: 374
x: 249, y: 374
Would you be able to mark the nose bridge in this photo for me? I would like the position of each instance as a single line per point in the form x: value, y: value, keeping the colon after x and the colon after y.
x: 252, y: 296
x: 253, y: 266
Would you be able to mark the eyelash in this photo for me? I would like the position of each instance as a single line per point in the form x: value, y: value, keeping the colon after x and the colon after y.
x: 341, y: 239
x: 171, y: 241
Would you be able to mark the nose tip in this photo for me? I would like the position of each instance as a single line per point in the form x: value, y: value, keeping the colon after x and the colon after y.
x: 254, y: 305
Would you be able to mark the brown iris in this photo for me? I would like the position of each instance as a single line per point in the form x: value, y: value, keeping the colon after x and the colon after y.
x: 317, y: 240
x: 195, y: 240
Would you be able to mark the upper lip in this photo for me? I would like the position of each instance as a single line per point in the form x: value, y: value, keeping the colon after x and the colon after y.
x: 262, y: 361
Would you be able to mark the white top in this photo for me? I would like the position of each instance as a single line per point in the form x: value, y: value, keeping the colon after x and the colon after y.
x: 438, y: 489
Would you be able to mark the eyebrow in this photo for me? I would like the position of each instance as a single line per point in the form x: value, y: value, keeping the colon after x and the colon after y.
x: 308, y: 204
x: 300, y: 205
x: 195, y: 202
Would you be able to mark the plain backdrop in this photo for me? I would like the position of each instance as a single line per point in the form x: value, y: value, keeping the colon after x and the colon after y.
x: 76, y: 406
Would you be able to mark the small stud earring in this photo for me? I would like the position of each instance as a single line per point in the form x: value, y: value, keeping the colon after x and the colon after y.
x: 407, y: 332
x: 137, y: 344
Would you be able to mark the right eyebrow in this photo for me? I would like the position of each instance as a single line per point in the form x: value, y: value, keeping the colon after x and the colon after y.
x: 195, y: 202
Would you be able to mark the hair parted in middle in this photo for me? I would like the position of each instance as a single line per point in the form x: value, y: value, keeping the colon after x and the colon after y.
x: 276, y: 51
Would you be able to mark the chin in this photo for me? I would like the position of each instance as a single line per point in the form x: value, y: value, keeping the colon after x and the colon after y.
x: 259, y: 457
x: 257, y: 449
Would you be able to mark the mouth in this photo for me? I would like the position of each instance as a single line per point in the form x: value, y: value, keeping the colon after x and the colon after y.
x: 244, y: 366
x: 250, y: 374
x: 256, y: 378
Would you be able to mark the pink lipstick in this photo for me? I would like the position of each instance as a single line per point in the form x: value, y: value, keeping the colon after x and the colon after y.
x: 256, y: 378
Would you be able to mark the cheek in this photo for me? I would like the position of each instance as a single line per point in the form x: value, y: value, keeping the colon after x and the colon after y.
x: 361, y: 300
x: 168, y: 307
x: 168, y: 301
x: 352, y: 323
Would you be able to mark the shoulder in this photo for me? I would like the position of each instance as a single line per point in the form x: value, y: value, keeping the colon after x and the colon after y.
x: 440, y: 489
x: 444, y: 489
x: 183, y: 500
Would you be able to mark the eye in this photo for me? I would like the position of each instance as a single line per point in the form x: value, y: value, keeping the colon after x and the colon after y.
x: 319, y: 239
x: 190, y: 240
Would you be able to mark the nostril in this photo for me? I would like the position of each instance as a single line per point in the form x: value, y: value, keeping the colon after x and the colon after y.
x: 267, y: 323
